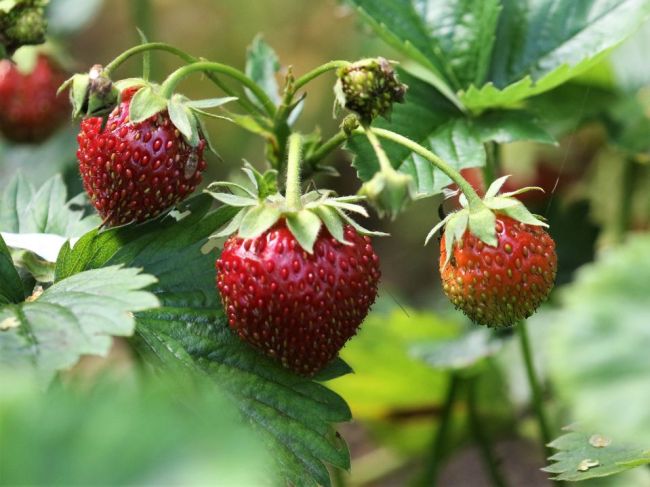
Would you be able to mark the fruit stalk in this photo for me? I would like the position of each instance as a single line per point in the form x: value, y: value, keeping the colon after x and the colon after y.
x: 429, y: 477
x: 293, y: 173
x: 161, y: 46
x: 535, y: 387
x: 316, y: 72
x: 168, y: 86
x: 473, y: 199
x: 491, y: 463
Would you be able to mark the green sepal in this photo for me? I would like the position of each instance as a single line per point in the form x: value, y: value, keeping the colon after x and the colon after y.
x: 184, y: 119
x: 455, y: 228
x: 304, y: 225
x: 482, y: 224
x: 263, y: 206
x: 146, y: 103
x: 258, y: 220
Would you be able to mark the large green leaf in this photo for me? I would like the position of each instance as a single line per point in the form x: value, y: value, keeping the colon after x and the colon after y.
x: 457, y: 139
x: 600, y: 361
x: 11, y: 287
x: 582, y: 456
x: 76, y: 316
x: 190, y: 331
x: 46, y: 210
x: 531, y: 46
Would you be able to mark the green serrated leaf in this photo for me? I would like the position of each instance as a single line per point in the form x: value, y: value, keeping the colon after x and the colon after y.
x: 146, y: 103
x: 262, y: 65
x: 258, y: 220
x: 583, y: 456
x: 294, y: 414
x: 76, y: 316
x: 11, y: 287
x: 482, y: 224
x: 304, y: 225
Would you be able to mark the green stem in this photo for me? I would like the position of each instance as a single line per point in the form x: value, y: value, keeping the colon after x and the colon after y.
x: 473, y: 199
x: 481, y: 438
x: 168, y: 86
x: 161, y: 46
x: 429, y: 476
x: 491, y: 169
x: 535, y: 387
x: 293, y: 173
x: 327, y: 147
x: 384, y: 161
x: 316, y: 72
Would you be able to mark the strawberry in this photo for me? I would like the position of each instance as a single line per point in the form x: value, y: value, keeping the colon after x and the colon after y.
x: 297, y: 275
x: 30, y: 110
x: 500, y: 285
x: 297, y: 307
x: 135, y: 171
x: 497, y: 262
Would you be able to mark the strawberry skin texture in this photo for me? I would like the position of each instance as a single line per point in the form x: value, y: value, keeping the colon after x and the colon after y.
x: 498, y: 286
x: 134, y: 172
x: 30, y: 110
x: 297, y: 308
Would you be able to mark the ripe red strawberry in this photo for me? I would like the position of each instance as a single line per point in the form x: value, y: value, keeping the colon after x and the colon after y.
x: 30, y: 110
x: 133, y: 172
x: 498, y: 286
x: 296, y: 307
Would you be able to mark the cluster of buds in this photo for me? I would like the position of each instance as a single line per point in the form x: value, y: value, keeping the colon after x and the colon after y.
x: 369, y: 88
x: 22, y: 23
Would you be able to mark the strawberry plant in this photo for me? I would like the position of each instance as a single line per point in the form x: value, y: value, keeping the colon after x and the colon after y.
x: 249, y: 316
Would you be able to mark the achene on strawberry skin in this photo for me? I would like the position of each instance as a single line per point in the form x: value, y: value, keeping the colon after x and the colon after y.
x: 134, y: 172
x: 296, y: 307
x: 30, y: 110
x: 498, y: 286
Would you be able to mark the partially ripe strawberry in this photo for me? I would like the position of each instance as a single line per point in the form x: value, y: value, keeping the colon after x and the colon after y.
x: 30, y: 110
x: 498, y: 286
x: 135, y: 171
x: 296, y: 307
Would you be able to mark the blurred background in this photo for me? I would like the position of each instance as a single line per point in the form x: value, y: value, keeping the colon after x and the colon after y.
x: 596, y: 176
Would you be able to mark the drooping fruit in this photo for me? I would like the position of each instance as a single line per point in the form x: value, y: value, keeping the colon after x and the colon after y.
x: 135, y: 171
x: 500, y: 285
x: 297, y: 307
x: 30, y: 110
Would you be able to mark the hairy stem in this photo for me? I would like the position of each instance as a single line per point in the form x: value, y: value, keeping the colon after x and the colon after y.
x: 327, y: 147
x: 316, y: 72
x: 384, y: 161
x: 489, y: 459
x: 535, y: 387
x: 181, y: 73
x: 293, y: 173
x: 429, y: 476
x: 188, y: 58
x: 491, y: 168
x: 472, y: 198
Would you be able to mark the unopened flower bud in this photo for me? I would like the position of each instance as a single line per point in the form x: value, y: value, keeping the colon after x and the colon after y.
x: 369, y: 88
x: 389, y: 192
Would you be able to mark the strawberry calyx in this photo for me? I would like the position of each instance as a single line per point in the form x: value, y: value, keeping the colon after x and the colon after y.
x: 480, y: 220
x: 262, y: 206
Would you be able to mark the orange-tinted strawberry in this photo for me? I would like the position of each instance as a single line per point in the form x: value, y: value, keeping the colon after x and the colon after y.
x: 135, y: 171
